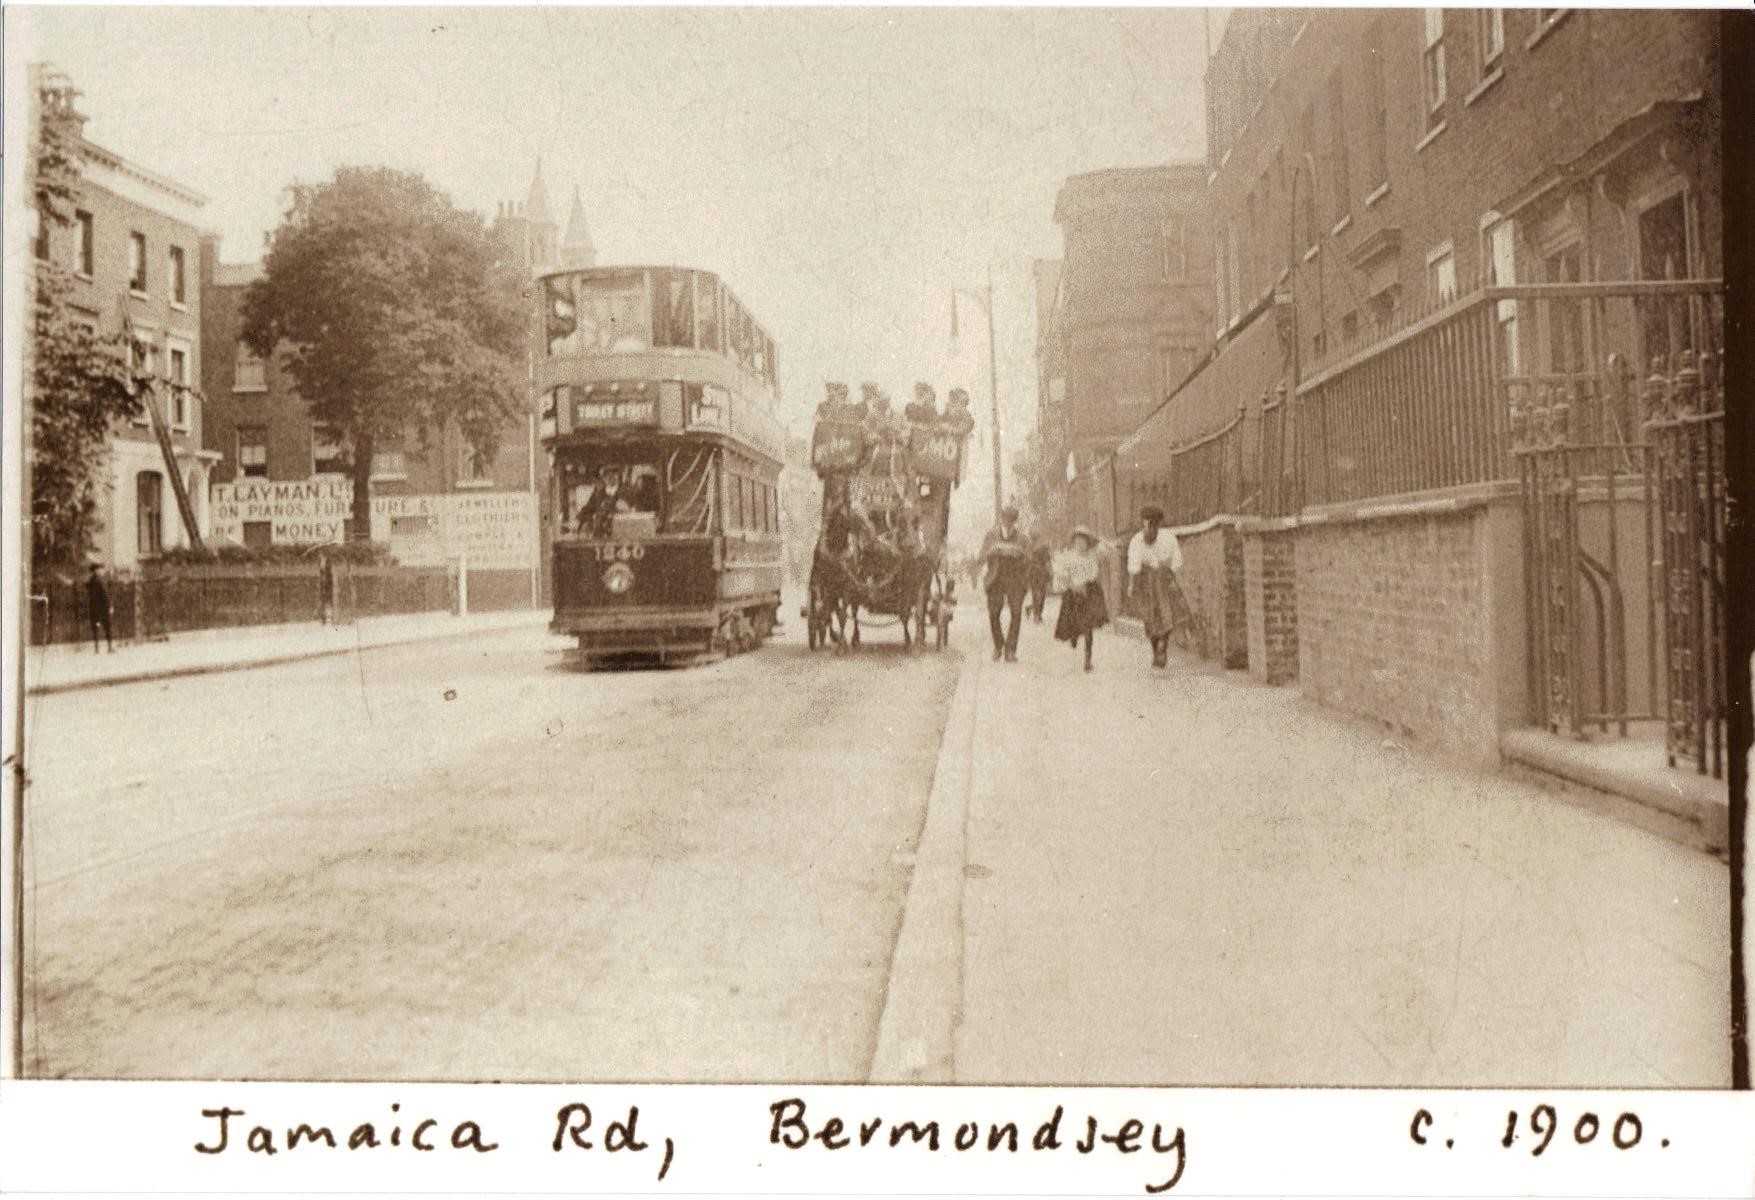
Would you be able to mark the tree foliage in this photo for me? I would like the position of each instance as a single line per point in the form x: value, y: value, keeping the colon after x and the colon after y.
x: 391, y: 312
x: 1041, y: 488
x: 80, y: 383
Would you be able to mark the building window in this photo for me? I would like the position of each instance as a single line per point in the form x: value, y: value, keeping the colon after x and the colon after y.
x: 41, y: 246
x: 249, y: 372
x: 1565, y: 314
x: 1377, y: 141
x: 1664, y: 254
x: 1441, y: 275
x: 1307, y: 193
x: 1433, y: 72
x: 1251, y: 249
x: 179, y: 378
x: 253, y: 451
x: 1337, y: 146
x: 472, y: 465
x: 1490, y: 37
x: 143, y: 355
x: 82, y: 244
x: 1222, y: 315
x: 1502, y: 272
x: 389, y: 464
x: 1546, y: 19
x: 137, y: 263
x: 328, y: 457
x: 1173, y: 363
x: 1235, y: 281
x: 1278, y: 187
x: 1265, y: 253
x: 179, y: 278
x: 149, y: 510
x: 1663, y: 240
x: 1173, y: 251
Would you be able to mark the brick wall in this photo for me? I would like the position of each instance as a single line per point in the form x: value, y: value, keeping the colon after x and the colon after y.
x: 1270, y: 601
x: 1558, y: 89
x: 1212, y: 582
x: 1415, y: 620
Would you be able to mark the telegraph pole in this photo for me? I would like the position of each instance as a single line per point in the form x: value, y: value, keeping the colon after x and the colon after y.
x: 993, y: 394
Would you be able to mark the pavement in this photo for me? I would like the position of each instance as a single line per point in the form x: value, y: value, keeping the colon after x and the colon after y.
x: 1182, y: 876
x: 462, y: 859
x: 1632, y: 775
x: 72, y: 666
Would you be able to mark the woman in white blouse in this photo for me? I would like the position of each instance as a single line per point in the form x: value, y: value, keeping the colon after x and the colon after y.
x: 1153, y: 559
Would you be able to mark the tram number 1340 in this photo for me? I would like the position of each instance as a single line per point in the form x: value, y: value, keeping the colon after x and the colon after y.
x: 622, y: 553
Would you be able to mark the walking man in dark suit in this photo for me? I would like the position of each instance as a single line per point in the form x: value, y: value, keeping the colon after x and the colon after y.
x: 1005, y: 558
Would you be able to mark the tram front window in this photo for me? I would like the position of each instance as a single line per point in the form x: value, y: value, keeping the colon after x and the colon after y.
x: 627, y: 496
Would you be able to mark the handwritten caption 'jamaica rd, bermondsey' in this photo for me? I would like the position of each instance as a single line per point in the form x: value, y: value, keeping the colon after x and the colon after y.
x: 231, y: 1130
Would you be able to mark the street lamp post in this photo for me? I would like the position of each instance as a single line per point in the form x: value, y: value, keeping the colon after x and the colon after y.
x: 1308, y: 169
x: 986, y: 303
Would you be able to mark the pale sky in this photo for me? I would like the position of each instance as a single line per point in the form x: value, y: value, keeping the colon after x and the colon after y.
x: 842, y: 168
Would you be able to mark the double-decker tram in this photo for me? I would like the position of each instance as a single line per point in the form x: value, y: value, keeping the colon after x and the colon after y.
x: 658, y: 416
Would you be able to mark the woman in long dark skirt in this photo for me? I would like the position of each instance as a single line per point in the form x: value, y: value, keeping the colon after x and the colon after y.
x: 1082, y: 607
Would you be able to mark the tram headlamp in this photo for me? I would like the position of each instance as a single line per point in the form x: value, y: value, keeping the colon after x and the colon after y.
x: 618, y: 579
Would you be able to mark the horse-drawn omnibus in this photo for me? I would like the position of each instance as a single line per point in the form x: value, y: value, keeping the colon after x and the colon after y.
x: 658, y: 416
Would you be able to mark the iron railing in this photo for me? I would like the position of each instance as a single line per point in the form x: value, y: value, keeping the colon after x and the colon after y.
x: 1685, y: 409
x: 1604, y: 404
x: 1414, y: 413
x: 160, y: 602
x: 1277, y: 482
x: 1208, y: 476
x: 1591, y: 438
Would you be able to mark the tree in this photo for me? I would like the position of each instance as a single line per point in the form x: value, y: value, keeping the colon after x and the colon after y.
x: 391, y: 312
x: 80, y: 383
x: 1041, y: 489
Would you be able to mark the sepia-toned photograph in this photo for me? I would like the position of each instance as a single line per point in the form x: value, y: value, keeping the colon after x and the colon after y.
x: 1031, y: 546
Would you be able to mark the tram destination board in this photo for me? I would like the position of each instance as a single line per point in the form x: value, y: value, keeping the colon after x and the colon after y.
x: 632, y: 410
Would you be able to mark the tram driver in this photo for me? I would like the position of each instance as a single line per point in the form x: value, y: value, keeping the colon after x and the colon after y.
x: 622, y: 489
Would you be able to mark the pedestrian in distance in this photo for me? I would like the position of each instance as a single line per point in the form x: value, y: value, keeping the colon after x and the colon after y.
x: 1083, y: 610
x: 1153, y: 561
x: 1041, y: 576
x: 97, y: 608
x: 1005, y: 558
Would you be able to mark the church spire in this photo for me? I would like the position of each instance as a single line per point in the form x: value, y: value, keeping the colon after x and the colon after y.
x: 536, y: 209
x: 576, y: 247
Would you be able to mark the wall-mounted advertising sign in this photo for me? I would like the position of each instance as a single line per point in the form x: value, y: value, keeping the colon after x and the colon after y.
x: 496, y: 530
